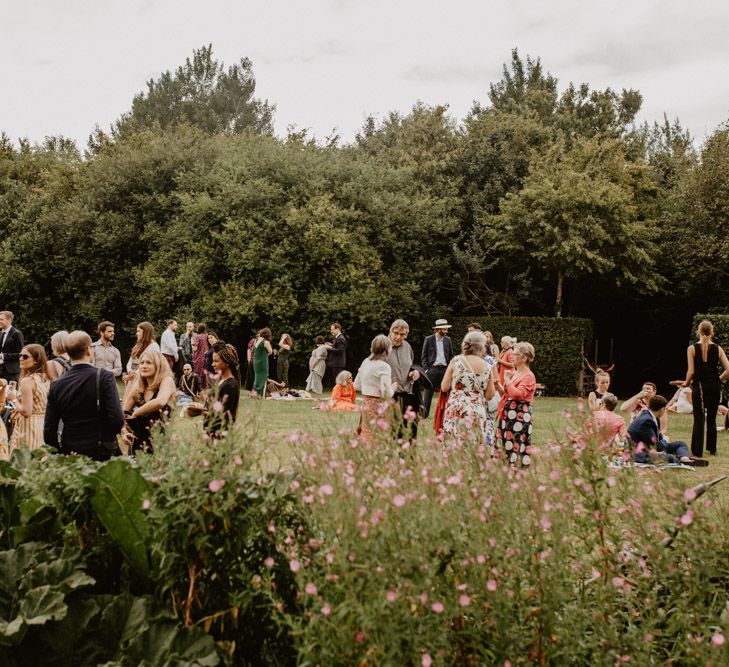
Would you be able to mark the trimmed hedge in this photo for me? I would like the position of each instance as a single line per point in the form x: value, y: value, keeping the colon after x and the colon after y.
x: 558, y: 344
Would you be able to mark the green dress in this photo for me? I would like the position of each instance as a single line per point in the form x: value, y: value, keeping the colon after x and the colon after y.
x: 260, y: 367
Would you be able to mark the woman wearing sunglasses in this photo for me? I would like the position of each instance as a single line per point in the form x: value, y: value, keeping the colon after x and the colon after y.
x: 30, y: 399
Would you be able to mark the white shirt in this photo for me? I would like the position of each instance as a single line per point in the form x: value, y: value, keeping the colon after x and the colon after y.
x: 374, y: 378
x: 440, y: 359
x: 169, y: 343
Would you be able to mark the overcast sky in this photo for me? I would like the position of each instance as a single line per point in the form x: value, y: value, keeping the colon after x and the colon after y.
x: 66, y: 65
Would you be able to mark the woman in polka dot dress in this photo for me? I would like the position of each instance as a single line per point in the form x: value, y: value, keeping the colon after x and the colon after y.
x: 514, y: 430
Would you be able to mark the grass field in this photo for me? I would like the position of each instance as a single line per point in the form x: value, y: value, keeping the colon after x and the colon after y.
x: 278, y: 419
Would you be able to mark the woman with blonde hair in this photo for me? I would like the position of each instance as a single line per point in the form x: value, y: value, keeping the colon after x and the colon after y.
x: 703, y: 375
x: 145, y: 342
x: 31, y: 399
x: 148, y: 399
x: 470, y: 383
x: 514, y: 427
x: 374, y: 381
x: 61, y: 362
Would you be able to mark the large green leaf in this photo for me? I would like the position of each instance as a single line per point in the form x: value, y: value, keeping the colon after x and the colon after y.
x: 43, y: 604
x: 117, y: 501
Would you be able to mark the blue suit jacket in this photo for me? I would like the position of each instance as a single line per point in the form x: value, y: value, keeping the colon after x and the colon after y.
x: 644, y: 429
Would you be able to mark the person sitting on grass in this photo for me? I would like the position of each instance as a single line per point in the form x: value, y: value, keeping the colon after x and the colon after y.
x: 344, y: 394
x: 645, y: 435
x: 602, y: 384
x: 608, y: 424
x: 635, y: 405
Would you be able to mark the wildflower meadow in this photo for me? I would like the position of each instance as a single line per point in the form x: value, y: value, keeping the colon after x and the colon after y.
x: 304, y: 548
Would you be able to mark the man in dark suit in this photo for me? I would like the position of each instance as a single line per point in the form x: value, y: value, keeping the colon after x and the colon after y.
x: 437, y: 354
x: 11, y: 343
x: 84, y: 414
x: 645, y: 435
x: 336, y: 352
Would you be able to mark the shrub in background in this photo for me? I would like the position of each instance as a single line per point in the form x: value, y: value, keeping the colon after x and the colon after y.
x: 558, y: 341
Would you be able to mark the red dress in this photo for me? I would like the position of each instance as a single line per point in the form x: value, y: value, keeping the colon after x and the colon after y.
x: 198, y: 358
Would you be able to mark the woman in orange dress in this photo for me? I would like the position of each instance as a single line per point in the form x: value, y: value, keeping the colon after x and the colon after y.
x: 344, y: 394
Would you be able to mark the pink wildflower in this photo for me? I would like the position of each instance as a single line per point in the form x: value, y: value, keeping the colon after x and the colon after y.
x: 545, y: 523
x: 326, y: 490
x: 310, y: 589
x: 359, y: 637
x: 326, y: 610
x: 491, y: 585
x: 437, y: 607
x: 689, y: 495
x: 391, y: 596
x: 611, y: 481
x: 216, y: 484
x: 294, y: 565
x: 398, y: 501
x: 269, y: 562
x: 239, y: 461
x: 146, y: 504
x: 717, y: 640
x: 687, y: 519
x: 464, y: 600
x: 426, y: 660
x: 618, y: 582
x: 554, y: 475
x: 218, y: 406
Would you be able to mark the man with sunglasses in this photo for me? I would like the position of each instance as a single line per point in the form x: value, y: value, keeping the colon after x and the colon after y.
x: 11, y: 343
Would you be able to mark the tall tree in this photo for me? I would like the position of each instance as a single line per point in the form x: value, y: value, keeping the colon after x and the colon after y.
x: 576, y: 217
x: 201, y: 93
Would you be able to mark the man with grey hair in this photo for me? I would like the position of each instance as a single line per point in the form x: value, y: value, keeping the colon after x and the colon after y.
x: 83, y: 415
x: 404, y: 375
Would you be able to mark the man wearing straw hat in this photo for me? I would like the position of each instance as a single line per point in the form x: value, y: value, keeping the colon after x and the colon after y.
x: 437, y: 354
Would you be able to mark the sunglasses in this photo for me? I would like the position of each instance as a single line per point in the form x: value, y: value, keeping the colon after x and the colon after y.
x: 23, y: 356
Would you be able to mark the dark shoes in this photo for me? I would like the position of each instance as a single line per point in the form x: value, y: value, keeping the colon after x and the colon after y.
x: 697, y: 463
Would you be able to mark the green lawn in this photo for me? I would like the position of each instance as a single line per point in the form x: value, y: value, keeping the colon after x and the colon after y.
x: 278, y: 419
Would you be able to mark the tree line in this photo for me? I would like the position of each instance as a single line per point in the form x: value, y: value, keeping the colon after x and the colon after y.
x: 544, y: 201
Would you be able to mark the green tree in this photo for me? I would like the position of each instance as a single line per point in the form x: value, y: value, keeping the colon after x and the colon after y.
x: 201, y: 93
x: 576, y: 217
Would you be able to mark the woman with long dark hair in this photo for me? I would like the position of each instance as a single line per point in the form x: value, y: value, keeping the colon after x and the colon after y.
x: 31, y: 400
x: 199, y: 351
x: 145, y: 342
x: 224, y: 409
x: 703, y: 375
x: 261, y: 351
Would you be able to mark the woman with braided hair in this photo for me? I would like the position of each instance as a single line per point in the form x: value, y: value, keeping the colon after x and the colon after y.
x: 224, y: 409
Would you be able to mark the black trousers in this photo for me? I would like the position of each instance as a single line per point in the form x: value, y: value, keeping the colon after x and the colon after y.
x: 435, y: 375
x: 406, y: 429
x: 333, y: 372
x: 705, y: 397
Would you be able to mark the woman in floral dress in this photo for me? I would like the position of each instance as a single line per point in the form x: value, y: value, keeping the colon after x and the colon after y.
x: 471, y: 385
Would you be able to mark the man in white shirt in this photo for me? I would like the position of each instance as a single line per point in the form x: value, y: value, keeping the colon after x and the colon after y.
x: 168, y: 344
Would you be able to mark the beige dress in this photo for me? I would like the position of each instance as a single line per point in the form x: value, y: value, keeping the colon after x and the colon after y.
x: 28, y: 431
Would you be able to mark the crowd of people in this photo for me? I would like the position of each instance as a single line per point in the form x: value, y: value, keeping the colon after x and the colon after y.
x: 484, y: 394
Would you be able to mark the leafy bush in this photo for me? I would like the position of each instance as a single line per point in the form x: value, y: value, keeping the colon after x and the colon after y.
x: 164, y: 551
x: 558, y: 342
x: 721, y: 327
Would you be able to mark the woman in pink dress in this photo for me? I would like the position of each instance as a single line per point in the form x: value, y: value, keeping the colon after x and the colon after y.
x: 514, y: 429
x: 199, y: 350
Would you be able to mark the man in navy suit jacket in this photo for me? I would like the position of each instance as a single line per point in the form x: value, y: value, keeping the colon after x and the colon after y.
x: 11, y: 344
x: 88, y: 421
x: 435, y: 357
x: 644, y: 431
